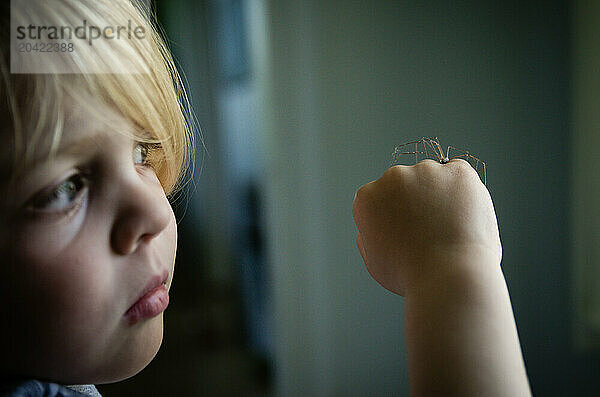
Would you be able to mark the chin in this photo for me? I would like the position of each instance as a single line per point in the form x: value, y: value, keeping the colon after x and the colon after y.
x: 139, y: 350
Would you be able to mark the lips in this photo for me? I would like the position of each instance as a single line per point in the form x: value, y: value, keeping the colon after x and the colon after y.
x: 153, y: 300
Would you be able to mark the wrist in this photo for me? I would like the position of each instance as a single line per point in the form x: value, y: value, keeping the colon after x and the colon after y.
x: 464, y: 270
x: 460, y: 327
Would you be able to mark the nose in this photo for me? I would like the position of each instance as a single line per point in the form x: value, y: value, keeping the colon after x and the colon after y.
x: 142, y: 214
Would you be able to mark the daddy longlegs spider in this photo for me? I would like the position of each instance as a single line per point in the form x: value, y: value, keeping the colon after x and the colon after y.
x: 431, y: 148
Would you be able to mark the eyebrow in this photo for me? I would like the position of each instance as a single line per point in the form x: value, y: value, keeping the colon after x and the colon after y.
x: 73, y: 146
x: 68, y: 148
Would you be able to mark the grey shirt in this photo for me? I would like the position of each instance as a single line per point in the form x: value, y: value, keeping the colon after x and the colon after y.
x: 35, y: 388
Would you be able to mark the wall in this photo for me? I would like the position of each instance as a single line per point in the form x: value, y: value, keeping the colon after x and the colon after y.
x: 585, y: 187
x: 344, y: 82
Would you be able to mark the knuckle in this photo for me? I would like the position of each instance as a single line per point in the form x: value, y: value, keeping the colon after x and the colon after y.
x: 463, y: 167
x: 427, y: 168
x: 394, y: 172
x: 392, y: 176
x: 460, y: 163
x: 427, y: 164
x: 397, y: 177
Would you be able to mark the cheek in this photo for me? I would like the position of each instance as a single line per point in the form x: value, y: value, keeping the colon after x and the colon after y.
x: 63, y: 310
x: 73, y: 288
x: 62, y: 280
x: 39, y: 240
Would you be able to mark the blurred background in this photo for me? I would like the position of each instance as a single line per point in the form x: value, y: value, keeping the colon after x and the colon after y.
x: 302, y: 102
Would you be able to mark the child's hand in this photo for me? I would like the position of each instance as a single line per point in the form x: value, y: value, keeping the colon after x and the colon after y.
x: 429, y: 232
x: 418, y: 222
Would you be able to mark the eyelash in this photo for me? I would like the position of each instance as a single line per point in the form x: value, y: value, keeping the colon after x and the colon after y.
x: 75, y: 186
x: 147, y: 149
x: 79, y: 183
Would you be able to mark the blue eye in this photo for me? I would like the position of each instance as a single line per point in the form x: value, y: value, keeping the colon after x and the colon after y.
x: 62, y: 197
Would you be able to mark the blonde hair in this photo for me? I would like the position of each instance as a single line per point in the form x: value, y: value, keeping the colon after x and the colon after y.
x: 152, y: 96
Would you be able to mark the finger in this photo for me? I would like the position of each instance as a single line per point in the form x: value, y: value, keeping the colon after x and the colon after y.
x: 360, y: 198
x: 361, y: 247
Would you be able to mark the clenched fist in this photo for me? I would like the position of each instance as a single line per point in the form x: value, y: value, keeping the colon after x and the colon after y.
x: 423, y: 221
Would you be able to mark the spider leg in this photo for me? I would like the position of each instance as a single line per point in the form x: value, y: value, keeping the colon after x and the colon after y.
x: 438, y: 152
x: 430, y: 147
x: 404, y: 149
x: 420, y: 140
x: 397, y: 153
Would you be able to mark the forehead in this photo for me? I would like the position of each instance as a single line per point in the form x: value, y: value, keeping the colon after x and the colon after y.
x: 88, y: 116
x: 84, y: 123
x: 91, y: 118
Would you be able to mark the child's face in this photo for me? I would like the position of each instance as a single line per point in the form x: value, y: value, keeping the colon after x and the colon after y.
x: 85, y: 236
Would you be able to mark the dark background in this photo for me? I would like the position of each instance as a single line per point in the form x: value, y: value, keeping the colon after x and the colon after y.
x: 301, y: 103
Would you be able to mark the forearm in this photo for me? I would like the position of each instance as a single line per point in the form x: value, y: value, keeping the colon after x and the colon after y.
x: 461, y: 335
